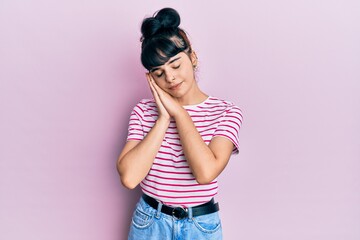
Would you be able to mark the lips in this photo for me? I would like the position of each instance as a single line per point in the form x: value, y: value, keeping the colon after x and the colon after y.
x: 175, y: 86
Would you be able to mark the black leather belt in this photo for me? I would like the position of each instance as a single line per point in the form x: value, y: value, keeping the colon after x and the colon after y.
x: 180, y: 212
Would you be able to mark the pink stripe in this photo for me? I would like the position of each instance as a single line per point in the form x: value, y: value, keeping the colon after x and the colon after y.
x: 194, y: 120
x: 149, y: 121
x: 139, y: 115
x: 235, y: 110
x: 133, y: 114
x: 209, y: 125
x: 236, y: 122
x: 225, y: 130
x: 172, y: 138
x: 132, y: 138
x: 162, y: 171
x: 227, y: 125
x: 165, y: 153
x: 234, y: 142
x: 168, y: 133
x: 170, y: 127
x: 229, y: 116
x: 150, y: 115
x: 208, y: 120
x: 135, y: 119
x: 140, y: 108
x: 205, y: 135
x: 187, y: 203
x: 176, y: 150
x: 179, y: 185
x: 225, y: 120
x: 170, y: 159
x: 135, y: 130
x: 181, y: 179
x: 206, y: 130
x: 174, y: 144
x: 136, y: 134
x: 180, y: 191
x: 172, y: 166
x: 192, y: 196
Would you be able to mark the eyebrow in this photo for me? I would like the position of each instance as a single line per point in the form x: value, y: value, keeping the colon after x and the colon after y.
x: 156, y: 68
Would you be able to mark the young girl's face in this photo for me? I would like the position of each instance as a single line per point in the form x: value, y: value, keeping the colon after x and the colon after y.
x: 176, y: 76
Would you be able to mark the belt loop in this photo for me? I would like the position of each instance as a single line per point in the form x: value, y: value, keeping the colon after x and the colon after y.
x: 158, y: 210
x: 190, y: 213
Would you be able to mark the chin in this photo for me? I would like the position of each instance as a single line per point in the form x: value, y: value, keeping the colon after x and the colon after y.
x: 177, y: 94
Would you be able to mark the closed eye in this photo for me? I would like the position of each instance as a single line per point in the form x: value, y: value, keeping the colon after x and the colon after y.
x: 159, y: 75
x: 175, y: 67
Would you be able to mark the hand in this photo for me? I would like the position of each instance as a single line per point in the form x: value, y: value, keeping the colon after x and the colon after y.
x: 161, y: 109
x: 163, y: 99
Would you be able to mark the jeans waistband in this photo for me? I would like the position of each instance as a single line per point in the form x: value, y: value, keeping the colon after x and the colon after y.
x: 180, y: 212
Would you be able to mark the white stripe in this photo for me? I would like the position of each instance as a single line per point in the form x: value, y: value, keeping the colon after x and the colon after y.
x: 213, y: 116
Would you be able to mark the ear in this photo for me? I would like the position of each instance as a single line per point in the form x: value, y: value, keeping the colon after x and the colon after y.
x: 194, y: 59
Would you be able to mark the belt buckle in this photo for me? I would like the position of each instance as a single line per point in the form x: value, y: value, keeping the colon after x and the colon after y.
x: 179, y: 213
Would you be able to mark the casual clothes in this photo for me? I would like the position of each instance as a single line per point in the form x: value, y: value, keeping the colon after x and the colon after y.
x: 170, y: 179
x: 150, y: 224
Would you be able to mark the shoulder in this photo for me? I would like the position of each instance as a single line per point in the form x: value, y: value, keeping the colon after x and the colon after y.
x: 145, y: 104
x: 145, y: 108
x: 229, y: 106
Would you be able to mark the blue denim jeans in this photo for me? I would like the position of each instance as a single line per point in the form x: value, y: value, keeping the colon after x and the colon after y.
x: 151, y: 224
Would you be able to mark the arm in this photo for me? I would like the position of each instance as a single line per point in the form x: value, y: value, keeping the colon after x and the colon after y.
x: 205, y: 161
x: 137, y: 157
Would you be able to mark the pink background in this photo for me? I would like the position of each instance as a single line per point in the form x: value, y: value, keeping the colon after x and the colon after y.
x: 70, y: 74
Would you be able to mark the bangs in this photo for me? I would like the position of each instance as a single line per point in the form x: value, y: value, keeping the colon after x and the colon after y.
x: 158, y: 51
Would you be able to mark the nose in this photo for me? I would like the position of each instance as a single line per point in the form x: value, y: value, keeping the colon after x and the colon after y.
x: 169, y: 76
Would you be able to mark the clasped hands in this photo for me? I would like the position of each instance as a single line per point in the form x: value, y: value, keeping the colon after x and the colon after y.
x: 167, y: 106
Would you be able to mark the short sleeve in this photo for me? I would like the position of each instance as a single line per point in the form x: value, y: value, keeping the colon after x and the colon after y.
x: 135, y: 129
x: 230, y: 125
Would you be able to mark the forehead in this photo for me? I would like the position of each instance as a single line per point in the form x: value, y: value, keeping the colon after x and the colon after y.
x: 171, y: 60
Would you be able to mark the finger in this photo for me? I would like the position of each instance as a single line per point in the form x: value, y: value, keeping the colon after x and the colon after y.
x: 148, y: 78
x: 150, y: 85
x: 150, y: 81
x: 153, y: 90
x: 158, y: 89
x: 153, y: 82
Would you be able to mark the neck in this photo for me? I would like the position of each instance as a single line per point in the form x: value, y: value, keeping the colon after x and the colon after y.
x: 192, y: 97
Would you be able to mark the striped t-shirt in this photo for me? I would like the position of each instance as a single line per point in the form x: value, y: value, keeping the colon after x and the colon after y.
x: 170, y: 179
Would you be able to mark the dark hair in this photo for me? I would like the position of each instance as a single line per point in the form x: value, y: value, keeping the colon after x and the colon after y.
x: 162, y: 38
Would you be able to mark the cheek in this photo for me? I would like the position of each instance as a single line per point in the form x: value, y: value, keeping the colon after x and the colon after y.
x: 187, y: 73
x: 161, y: 84
x: 187, y: 70
x: 157, y: 81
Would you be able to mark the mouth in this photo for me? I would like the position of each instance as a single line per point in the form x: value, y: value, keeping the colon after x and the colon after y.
x: 175, y: 86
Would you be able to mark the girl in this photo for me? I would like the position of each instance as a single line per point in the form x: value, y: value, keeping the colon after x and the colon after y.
x: 178, y: 142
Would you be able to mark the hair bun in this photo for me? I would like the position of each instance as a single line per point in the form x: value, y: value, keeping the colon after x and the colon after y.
x: 166, y: 18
